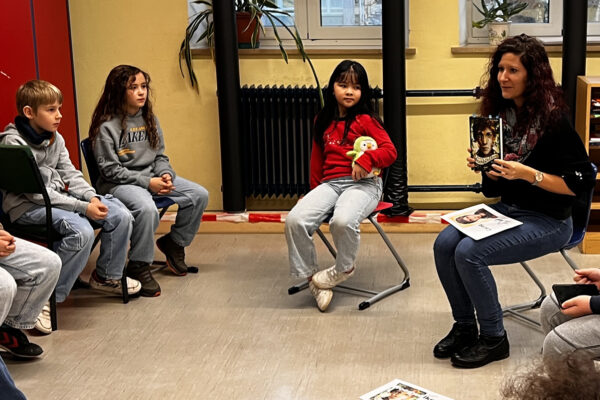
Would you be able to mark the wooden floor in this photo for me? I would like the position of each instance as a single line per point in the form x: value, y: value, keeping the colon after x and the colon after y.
x: 232, y: 331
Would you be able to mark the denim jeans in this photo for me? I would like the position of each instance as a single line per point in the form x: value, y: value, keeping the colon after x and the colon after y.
x: 35, y: 270
x: 191, y: 199
x: 565, y: 334
x: 78, y: 237
x: 8, y: 292
x: 463, y: 264
x: 351, y: 202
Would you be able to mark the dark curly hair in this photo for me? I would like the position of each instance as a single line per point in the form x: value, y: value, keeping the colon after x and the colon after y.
x: 346, y: 71
x: 572, y: 376
x: 544, y: 101
x: 113, y: 99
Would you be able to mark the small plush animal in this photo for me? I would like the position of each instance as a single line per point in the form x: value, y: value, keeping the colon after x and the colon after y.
x: 362, y: 144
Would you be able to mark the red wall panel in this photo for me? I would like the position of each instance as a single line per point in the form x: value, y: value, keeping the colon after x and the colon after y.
x: 17, y: 60
x: 38, y: 47
x: 55, y: 65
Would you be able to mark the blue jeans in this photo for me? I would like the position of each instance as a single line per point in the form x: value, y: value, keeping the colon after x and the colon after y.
x: 35, y: 270
x: 78, y: 237
x: 351, y: 202
x: 8, y: 291
x: 463, y: 264
x: 191, y: 199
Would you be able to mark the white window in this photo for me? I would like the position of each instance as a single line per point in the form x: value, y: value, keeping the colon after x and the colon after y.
x: 353, y: 23
x: 541, y: 18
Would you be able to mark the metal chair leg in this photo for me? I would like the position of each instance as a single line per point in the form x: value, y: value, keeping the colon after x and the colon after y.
x: 375, y: 296
x: 53, y: 313
x: 516, y: 310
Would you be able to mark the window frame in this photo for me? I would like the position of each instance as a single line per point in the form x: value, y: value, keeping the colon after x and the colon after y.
x: 550, y: 32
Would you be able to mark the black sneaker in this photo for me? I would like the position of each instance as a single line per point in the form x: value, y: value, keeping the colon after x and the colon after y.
x: 16, y: 343
x: 175, y: 255
x: 141, y: 271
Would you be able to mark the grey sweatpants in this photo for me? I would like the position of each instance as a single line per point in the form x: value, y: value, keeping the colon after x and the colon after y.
x: 565, y: 334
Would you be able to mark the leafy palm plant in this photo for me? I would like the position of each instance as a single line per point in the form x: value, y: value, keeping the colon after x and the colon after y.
x: 501, y: 10
x: 257, y: 9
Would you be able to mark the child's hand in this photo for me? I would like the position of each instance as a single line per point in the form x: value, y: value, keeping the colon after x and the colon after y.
x: 358, y: 172
x: 96, y: 210
x: 159, y: 186
x: 577, y: 306
x: 168, y: 180
x: 7, y: 244
x: 588, y: 275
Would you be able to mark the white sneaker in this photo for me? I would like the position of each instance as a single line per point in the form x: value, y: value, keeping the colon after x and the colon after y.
x: 114, y: 285
x: 323, y: 297
x: 43, y: 323
x: 330, y: 277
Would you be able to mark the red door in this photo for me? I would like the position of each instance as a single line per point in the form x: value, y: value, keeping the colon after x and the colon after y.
x: 36, y: 44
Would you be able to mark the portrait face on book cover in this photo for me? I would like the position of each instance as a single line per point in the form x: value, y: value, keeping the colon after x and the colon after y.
x: 467, y: 219
x: 485, y: 141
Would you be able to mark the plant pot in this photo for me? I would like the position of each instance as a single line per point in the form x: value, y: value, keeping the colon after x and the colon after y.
x: 498, y: 31
x: 245, y: 28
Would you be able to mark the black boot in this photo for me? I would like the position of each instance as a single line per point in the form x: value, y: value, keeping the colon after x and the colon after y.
x: 486, y: 350
x: 141, y: 271
x: 175, y: 255
x: 461, y: 335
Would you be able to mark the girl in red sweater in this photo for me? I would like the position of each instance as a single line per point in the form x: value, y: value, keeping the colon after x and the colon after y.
x: 338, y: 186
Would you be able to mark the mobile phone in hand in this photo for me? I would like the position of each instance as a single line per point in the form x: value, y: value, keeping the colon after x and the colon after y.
x: 565, y: 292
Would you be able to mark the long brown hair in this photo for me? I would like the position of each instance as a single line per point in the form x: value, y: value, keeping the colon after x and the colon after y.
x: 544, y: 101
x: 112, y: 103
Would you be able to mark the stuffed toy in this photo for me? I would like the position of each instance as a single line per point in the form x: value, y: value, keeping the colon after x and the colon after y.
x: 362, y: 144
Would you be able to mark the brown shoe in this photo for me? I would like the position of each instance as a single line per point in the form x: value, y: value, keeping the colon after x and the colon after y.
x: 141, y: 271
x: 175, y: 255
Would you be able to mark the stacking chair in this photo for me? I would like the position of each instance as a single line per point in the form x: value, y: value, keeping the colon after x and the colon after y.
x: 581, y: 216
x: 375, y: 296
x: 162, y: 202
x: 23, y: 176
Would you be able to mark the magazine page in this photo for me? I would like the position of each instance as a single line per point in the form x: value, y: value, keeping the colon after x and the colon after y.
x: 398, y: 389
x: 485, y: 141
x: 479, y: 221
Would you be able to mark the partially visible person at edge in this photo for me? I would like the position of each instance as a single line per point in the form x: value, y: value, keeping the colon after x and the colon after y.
x: 545, y: 166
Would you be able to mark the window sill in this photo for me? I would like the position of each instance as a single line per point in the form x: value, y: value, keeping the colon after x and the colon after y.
x: 475, y: 49
x: 314, y: 52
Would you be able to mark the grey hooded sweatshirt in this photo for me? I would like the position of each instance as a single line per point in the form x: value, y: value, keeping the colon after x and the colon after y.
x: 65, y: 185
x: 125, y: 157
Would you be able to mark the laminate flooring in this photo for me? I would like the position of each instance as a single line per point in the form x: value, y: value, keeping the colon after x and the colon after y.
x: 232, y: 331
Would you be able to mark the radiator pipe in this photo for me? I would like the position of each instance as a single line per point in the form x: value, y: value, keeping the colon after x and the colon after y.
x: 394, y: 103
x: 476, y: 187
x: 476, y: 92
x: 574, y: 48
x: 228, y: 96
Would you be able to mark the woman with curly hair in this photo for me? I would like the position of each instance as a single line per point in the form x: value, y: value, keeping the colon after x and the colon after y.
x: 545, y: 166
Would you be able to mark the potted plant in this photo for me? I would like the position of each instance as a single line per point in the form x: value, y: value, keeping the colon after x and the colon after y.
x: 497, y: 17
x: 252, y: 11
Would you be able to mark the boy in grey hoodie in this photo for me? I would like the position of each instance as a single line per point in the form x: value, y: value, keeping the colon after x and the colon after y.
x: 74, y: 201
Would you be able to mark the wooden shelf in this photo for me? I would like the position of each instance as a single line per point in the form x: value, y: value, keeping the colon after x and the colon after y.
x: 588, y: 87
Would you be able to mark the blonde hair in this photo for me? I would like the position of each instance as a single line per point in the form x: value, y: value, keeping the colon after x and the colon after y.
x: 37, y: 93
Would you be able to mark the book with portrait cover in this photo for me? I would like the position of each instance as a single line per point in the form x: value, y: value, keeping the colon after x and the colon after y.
x: 480, y: 221
x: 398, y: 389
x: 485, y: 140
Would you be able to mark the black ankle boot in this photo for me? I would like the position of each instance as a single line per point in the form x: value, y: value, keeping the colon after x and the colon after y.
x: 460, y: 336
x: 486, y: 350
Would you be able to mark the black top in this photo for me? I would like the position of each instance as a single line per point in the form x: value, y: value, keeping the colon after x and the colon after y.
x: 559, y: 151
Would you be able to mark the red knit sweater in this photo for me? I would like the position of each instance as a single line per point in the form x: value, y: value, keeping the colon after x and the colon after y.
x: 331, y: 161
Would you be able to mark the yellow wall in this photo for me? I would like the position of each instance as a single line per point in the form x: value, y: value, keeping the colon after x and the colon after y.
x: 147, y: 33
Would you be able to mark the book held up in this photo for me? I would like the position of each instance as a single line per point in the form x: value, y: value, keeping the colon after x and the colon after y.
x: 486, y: 141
